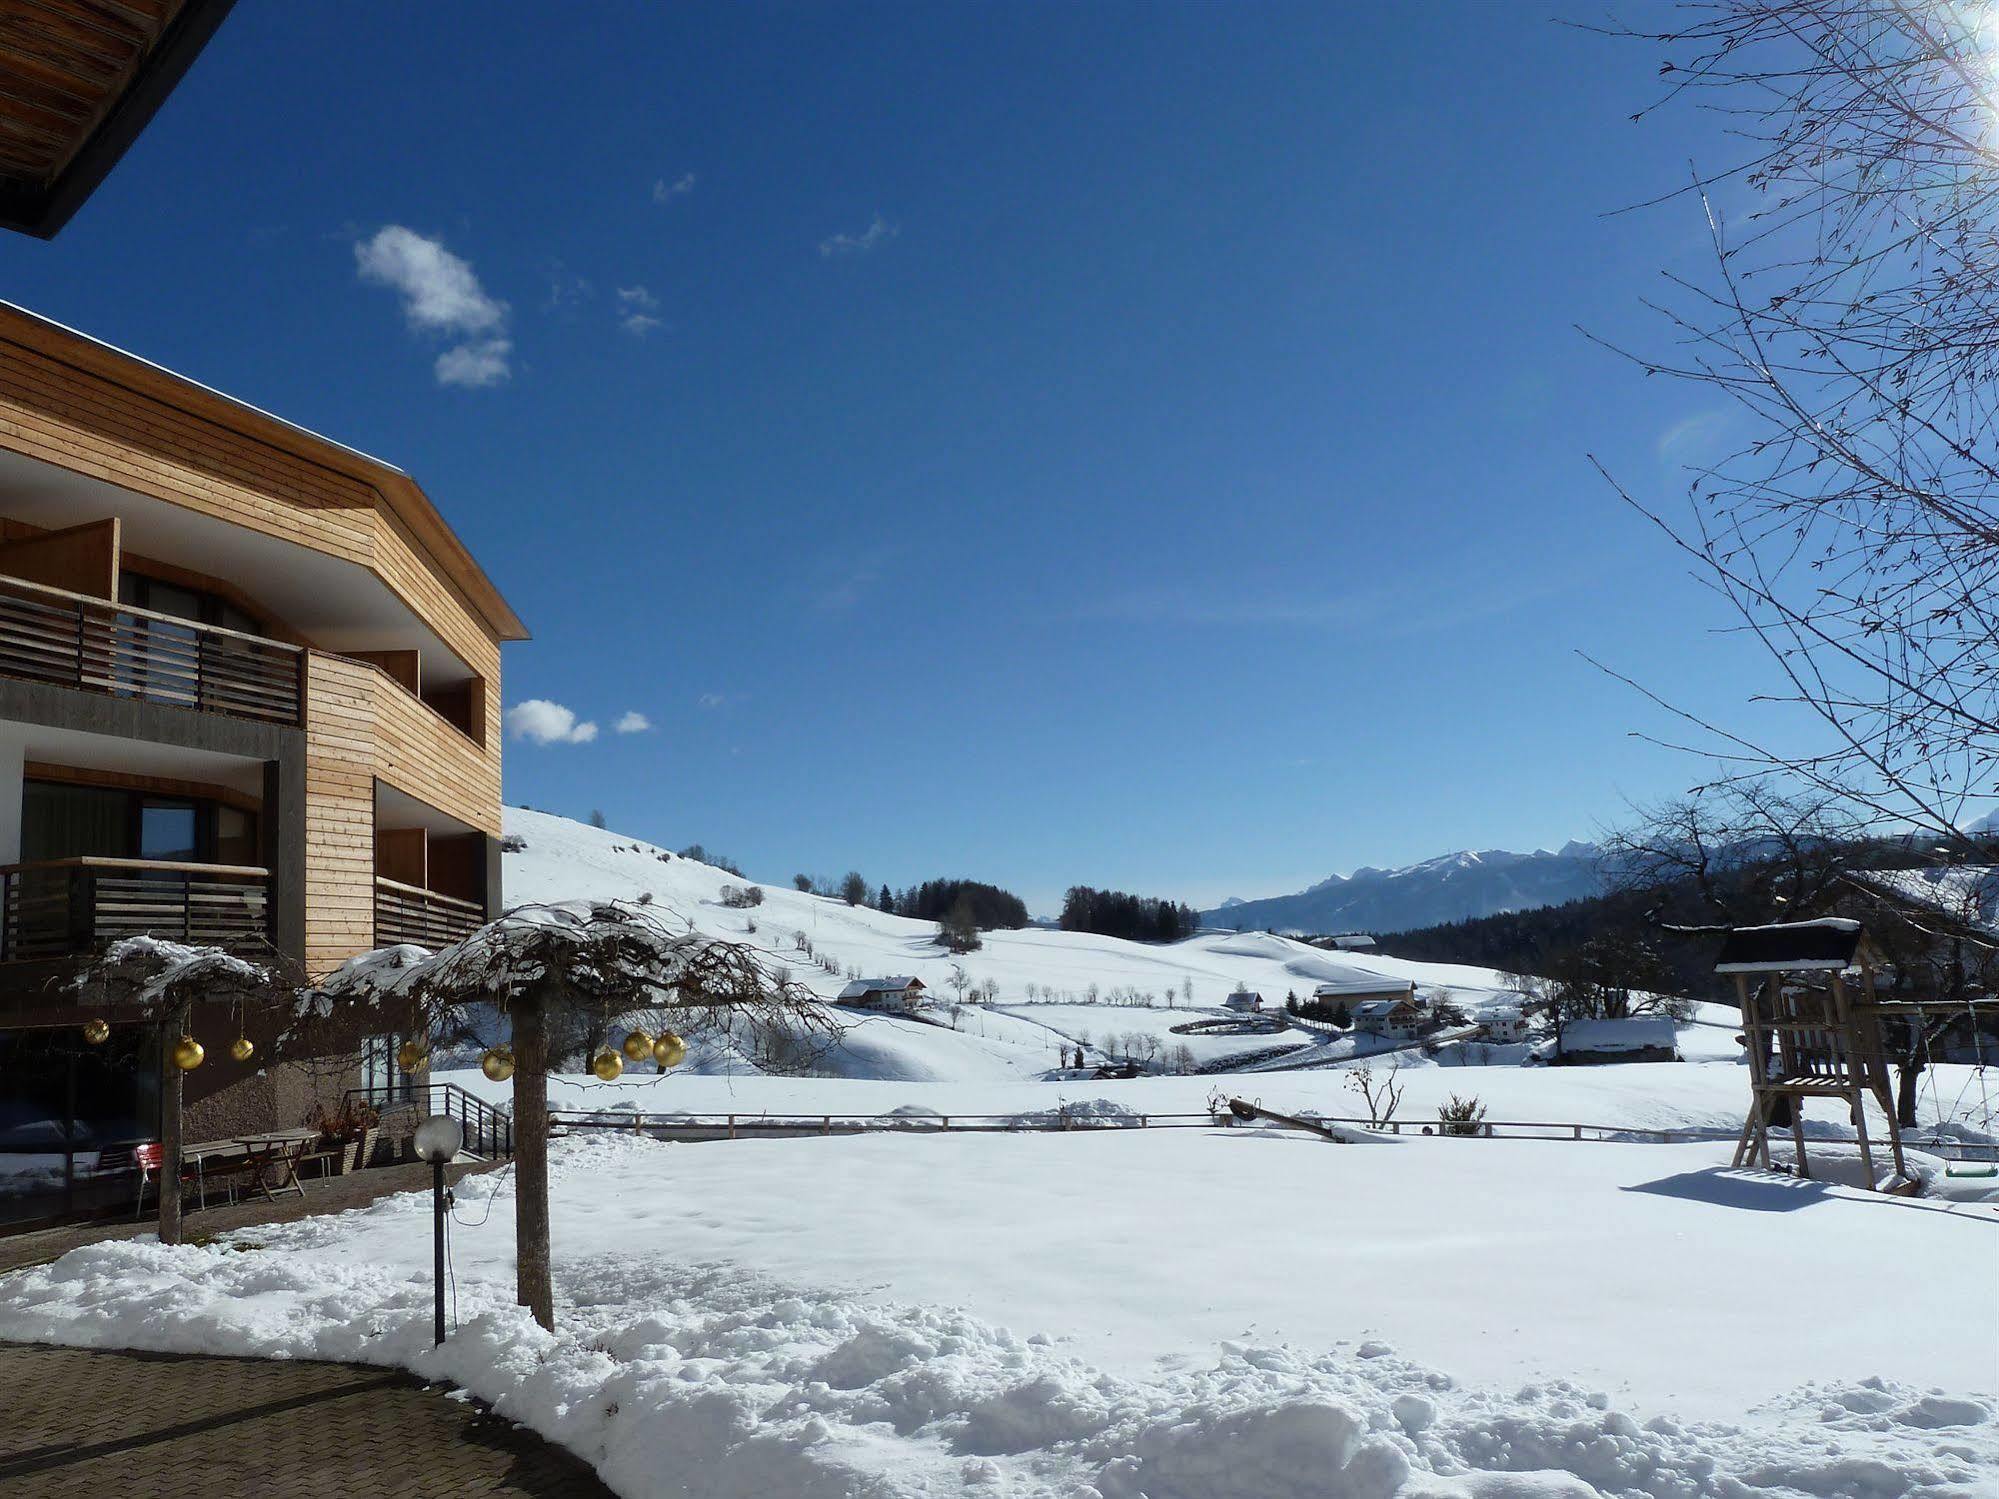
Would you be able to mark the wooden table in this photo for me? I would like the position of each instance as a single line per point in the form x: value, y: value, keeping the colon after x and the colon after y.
x: 279, y: 1153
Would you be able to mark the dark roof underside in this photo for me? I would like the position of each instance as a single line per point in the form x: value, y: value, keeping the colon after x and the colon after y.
x: 79, y: 79
x: 1800, y: 944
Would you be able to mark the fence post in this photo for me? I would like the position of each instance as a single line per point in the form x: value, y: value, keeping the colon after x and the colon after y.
x: 732, y: 1126
x: 1579, y: 1131
x: 826, y: 1125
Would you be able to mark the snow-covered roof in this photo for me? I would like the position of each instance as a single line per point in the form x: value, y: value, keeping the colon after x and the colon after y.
x: 1963, y: 893
x: 1339, y: 988
x: 1634, y: 1033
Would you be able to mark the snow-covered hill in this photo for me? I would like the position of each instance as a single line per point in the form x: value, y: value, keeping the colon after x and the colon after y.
x: 1053, y: 989
x: 1450, y: 888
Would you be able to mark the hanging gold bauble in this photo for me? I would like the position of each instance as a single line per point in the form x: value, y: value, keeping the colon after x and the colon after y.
x: 187, y: 1054
x: 412, y: 1055
x: 607, y: 1064
x: 498, y: 1064
x: 637, y: 1047
x: 242, y: 1048
x: 97, y: 1030
x: 669, y: 1050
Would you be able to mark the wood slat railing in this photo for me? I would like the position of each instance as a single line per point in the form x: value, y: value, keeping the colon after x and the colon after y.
x: 409, y: 913
x: 72, y: 640
x: 54, y: 908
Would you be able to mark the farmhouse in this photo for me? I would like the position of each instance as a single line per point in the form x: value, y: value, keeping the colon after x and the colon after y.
x: 901, y: 994
x: 1245, y: 1002
x: 1399, y: 1019
x: 1505, y: 1025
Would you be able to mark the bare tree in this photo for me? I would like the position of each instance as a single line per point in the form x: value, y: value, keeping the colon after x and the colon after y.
x: 1849, y: 324
x: 1382, y: 1097
x: 1747, y: 849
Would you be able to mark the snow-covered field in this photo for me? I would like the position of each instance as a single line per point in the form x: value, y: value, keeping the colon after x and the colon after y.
x: 1182, y: 1315
x: 1189, y: 1313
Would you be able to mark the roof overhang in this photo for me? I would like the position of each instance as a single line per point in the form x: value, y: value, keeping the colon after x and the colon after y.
x: 399, y: 494
x: 79, y: 81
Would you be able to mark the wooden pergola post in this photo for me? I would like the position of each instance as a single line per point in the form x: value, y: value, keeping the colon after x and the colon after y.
x: 172, y: 1137
x: 534, y: 1283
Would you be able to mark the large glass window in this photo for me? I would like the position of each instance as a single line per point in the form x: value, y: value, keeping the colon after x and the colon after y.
x: 64, y: 821
x: 181, y: 602
x: 69, y: 1113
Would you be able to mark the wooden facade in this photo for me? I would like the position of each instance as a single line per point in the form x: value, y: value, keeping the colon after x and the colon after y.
x: 373, y: 728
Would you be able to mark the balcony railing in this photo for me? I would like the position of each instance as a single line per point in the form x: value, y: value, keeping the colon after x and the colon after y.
x: 57, y: 907
x: 48, y: 635
x: 409, y: 913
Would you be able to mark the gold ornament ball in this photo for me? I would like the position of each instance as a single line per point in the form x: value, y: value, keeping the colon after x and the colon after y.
x: 187, y: 1054
x: 498, y: 1064
x: 669, y: 1050
x: 242, y: 1048
x: 411, y: 1056
x: 607, y: 1064
x: 637, y: 1047
x: 97, y: 1030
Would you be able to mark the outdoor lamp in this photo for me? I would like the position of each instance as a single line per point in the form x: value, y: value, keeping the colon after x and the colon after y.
x: 438, y: 1139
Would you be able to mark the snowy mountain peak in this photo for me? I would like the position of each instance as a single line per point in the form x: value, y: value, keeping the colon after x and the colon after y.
x: 1449, y: 887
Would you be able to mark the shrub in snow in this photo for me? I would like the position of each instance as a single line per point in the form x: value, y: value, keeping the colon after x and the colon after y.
x: 1460, y: 1116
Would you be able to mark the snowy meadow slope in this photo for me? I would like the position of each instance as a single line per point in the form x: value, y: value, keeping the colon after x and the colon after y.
x: 1202, y: 1312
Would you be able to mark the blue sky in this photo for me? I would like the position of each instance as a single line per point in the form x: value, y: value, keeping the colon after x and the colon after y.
x: 1134, y: 445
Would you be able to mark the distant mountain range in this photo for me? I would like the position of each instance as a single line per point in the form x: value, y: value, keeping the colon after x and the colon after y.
x: 1449, y: 888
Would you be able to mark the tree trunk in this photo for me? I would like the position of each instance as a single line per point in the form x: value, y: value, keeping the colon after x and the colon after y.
x: 171, y: 1082
x: 1908, y: 1073
x: 534, y: 1284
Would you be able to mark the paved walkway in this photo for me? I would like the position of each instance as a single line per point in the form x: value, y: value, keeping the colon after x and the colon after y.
x: 84, y: 1425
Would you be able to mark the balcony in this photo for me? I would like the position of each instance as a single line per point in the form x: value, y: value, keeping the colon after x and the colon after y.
x: 409, y: 913
x: 59, y: 907
x: 73, y: 640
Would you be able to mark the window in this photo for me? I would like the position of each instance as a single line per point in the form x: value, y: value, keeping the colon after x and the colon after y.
x: 193, y: 604
x: 381, y: 1077
x: 60, y: 820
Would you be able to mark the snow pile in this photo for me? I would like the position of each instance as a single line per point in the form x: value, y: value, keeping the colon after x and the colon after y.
x: 720, y: 1334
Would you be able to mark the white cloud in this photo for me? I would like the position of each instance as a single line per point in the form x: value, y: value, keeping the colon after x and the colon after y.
x: 475, y: 364
x: 441, y: 294
x: 878, y: 233
x: 545, y: 722
x: 712, y: 700
x: 665, y: 192
x: 633, y: 722
x: 636, y: 310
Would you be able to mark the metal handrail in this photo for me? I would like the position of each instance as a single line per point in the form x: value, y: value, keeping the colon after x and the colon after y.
x: 488, y: 1131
